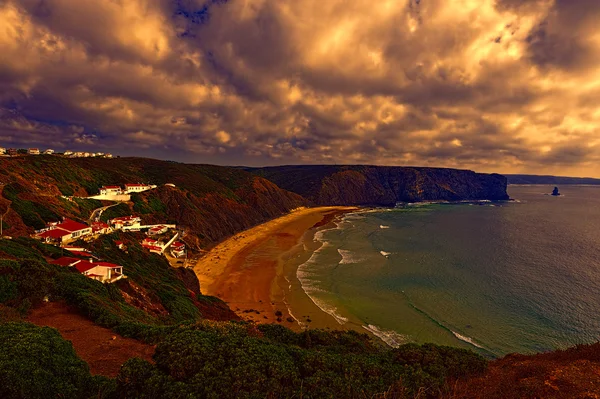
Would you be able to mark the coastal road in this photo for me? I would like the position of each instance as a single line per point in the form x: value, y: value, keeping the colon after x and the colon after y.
x: 96, y: 213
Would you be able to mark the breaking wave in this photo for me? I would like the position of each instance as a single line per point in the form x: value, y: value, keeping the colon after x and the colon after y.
x: 391, y: 338
x: 467, y: 340
x: 349, y: 257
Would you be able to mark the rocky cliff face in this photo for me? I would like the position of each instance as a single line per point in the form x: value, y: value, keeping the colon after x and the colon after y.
x: 386, y: 186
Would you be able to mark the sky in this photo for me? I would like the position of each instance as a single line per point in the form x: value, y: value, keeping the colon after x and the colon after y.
x: 508, y: 86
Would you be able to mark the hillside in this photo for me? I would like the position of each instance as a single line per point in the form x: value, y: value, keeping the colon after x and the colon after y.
x: 210, y: 202
x: 383, y: 185
x: 551, y: 180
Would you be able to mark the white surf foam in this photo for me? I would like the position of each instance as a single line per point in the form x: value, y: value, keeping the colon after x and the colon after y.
x: 391, y: 338
x: 386, y: 254
x: 467, y: 340
x: 308, y: 282
x: 381, y: 226
x: 348, y: 257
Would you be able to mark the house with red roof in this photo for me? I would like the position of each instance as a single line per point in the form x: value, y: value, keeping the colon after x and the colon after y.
x: 121, y: 245
x: 157, y: 230
x: 101, y: 228
x: 111, y: 190
x: 64, y: 232
x: 125, y: 221
x: 102, y: 271
x: 178, y: 249
x: 153, y: 245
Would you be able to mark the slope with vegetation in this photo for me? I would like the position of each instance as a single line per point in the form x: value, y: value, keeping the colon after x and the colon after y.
x: 194, y: 357
x: 211, y: 202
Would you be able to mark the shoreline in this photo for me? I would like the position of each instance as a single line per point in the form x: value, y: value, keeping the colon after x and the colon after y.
x: 247, y: 270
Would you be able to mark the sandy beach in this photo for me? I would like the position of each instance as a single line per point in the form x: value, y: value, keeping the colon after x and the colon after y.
x: 246, y: 270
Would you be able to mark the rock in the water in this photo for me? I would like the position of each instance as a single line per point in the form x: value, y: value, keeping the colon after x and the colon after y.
x: 555, y: 191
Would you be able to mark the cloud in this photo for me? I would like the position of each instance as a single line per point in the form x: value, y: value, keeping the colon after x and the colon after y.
x: 492, y: 85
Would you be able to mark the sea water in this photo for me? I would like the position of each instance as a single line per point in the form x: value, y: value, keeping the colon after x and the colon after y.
x: 519, y: 276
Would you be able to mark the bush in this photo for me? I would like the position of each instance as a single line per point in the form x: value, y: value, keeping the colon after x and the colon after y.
x: 35, y: 362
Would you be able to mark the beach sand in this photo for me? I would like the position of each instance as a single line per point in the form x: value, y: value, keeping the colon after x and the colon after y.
x: 246, y: 270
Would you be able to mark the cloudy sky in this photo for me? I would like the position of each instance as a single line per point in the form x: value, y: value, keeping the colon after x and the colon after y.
x: 490, y: 85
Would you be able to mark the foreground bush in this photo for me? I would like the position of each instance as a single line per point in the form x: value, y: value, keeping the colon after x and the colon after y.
x: 35, y: 362
x: 231, y: 361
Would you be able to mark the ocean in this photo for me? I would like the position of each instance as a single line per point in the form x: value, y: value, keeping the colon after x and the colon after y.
x: 518, y: 276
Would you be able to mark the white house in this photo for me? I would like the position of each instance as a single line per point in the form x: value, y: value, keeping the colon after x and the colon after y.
x: 33, y: 151
x: 101, y: 228
x: 108, y: 156
x: 99, y: 154
x: 78, y: 154
x: 125, y: 221
x: 2, y: 150
x: 178, y: 249
x: 153, y: 246
x: 68, y: 153
x: 49, y: 151
x: 111, y: 190
x: 138, y: 188
x: 102, y: 271
x: 157, y: 230
x: 65, y: 232
x: 86, y: 154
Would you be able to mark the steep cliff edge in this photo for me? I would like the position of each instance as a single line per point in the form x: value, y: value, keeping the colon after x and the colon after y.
x: 384, y: 185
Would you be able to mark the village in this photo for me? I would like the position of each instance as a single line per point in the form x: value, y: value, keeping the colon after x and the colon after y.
x: 13, y: 152
x: 161, y: 239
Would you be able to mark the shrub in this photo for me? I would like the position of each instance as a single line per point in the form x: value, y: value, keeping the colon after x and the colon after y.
x: 35, y: 362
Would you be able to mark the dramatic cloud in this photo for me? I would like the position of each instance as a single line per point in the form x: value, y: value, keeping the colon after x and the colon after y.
x: 491, y: 85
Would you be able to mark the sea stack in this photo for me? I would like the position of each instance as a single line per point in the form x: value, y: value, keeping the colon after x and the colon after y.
x: 555, y: 191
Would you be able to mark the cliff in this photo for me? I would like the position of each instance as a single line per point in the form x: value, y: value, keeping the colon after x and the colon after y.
x: 384, y: 185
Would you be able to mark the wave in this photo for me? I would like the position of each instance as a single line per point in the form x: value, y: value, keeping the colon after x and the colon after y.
x: 457, y: 335
x: 429, y: 203
x: 349, y: 257
x: 308, y: 282
x: 386, y: 254
x: 467, y: 339
x: 391, y: 338
x: 381, y: 226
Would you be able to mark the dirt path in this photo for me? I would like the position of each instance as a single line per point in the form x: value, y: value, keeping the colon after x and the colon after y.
x: 104, y: 350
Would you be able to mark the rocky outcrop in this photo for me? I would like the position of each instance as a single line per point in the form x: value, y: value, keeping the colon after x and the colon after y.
x: 383, y: 185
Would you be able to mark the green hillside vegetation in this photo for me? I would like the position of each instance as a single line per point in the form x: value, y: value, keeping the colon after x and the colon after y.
x: 194, y: 357
x: 27, y: 281
x: 37, y: 363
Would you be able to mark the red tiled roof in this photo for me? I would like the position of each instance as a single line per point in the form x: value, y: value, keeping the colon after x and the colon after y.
x: 119, y: 242
x: 106, y: 264
x: 65, y: 261
x: 84, y: 266
x: 99, y: 226
x: 125, y: 218
x: 178, y: 244
x: 54, y: 233
x: 71, y: 225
